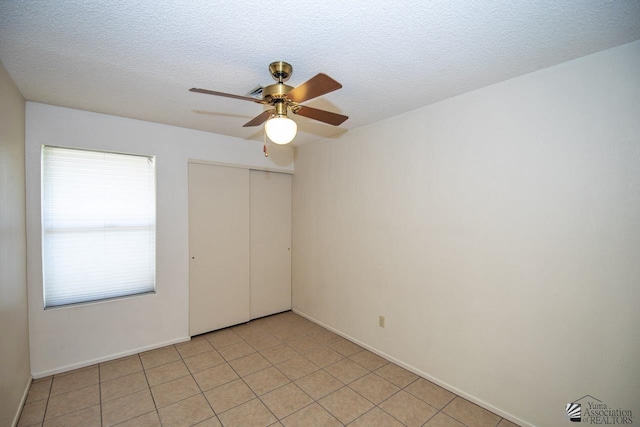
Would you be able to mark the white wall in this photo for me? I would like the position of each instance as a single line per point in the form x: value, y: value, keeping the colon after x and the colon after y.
x: 498, y: 232
x: 73, y: 336
x: 15, y: 374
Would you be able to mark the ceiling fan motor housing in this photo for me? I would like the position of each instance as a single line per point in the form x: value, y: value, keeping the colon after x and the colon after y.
x: 281, y: 71
x: 275, y: 91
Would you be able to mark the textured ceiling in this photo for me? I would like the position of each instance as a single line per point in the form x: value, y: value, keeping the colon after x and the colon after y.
x: 139, y: 58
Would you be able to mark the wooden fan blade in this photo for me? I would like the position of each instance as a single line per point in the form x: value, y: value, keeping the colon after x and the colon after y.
x: 259, y: 119
x: 321, y: 115
x: 227, y: 95
x: 312, y: 88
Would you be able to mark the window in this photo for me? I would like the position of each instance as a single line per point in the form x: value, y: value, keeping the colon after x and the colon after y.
x: 98, y: 225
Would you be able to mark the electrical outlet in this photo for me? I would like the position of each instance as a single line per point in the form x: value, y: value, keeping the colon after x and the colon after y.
x: 381, y: 321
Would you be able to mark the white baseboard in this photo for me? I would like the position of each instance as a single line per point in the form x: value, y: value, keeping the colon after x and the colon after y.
x: 71, y: 367
x: 25, y: 393
x: 424, y: 375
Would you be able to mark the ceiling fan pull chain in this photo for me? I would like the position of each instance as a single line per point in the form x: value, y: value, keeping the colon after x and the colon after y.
x: 264, y: 147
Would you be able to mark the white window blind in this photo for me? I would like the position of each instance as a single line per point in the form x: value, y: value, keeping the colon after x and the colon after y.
x: 98, y: 225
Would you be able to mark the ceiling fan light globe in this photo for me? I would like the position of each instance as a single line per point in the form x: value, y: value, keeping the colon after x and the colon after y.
x: 281, y: 130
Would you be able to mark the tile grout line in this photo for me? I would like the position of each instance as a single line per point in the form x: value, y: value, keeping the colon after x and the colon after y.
x: 215, y: 415
x: 280, y: 371
x: 439, y: 410
x: 378, y: 404
x: 46, y: 406
x: 451, y: 416
x: 71, y: 412
x: 153, y: 399
x: 323, y: 370
x: 388, y: 397
x: 135, y: 392
x: 309, y: 374
x: 100, y: 394
x: 245, y: 383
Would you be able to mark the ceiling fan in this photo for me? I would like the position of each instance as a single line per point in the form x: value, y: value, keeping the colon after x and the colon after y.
x: 280, y: 128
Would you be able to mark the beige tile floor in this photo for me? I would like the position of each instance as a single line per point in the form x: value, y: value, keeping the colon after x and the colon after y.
x: 279, y: 370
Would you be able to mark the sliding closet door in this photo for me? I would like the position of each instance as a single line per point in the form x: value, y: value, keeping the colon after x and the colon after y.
x: 270, y: 243
x: 219, y: 247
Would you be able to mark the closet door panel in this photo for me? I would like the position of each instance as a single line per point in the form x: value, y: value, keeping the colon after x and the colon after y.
x: 270, y: 243
x: 219, y: 246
